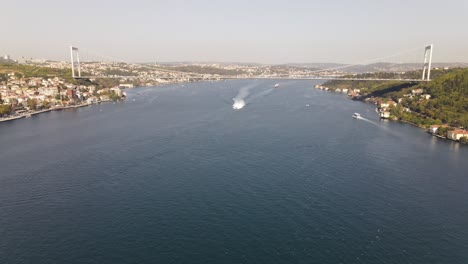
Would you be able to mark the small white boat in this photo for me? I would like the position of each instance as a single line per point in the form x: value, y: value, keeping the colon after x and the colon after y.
x: 277, y: 85
x: 356, y: 115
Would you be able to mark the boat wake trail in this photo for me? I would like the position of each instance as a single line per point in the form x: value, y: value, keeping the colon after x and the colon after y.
x: 367, y: 120
x: 380, y: 126
x: 261, y: 94
x: 243, y: 97
x: 239, y: 100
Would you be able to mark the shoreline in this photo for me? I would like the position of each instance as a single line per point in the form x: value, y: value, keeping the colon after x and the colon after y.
x: 28, y: 115
x: 413, y: 124
x: 6, y: 119
x: 354, y: 98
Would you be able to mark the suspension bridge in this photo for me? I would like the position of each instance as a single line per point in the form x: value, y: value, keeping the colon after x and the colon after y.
x: 311, y: 75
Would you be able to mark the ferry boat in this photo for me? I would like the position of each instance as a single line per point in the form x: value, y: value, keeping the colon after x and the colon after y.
x: 277, y: 85
x: 356, y: 115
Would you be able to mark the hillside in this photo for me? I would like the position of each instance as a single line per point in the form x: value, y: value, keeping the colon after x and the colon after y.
x: 202, y: 70
x: 448, y: 102
x: 28, y: 71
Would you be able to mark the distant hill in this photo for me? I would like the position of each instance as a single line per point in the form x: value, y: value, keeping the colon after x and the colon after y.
x: 3, y: 61
x: 34, y: 71
x: 377, y: 67
x: 182, y: 63
x: 318, y: 65
x: 374, y: 67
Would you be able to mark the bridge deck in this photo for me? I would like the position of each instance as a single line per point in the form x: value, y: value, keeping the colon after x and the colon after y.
x: 266, y: 78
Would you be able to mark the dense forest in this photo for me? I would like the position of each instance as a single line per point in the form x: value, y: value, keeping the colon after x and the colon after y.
x: 448, y: 90
x: 449, y: 102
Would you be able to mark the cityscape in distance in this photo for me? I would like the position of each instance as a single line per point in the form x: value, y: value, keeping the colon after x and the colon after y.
x: 247, y: 131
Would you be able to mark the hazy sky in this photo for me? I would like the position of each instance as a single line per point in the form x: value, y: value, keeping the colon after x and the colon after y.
x: 236, y: 30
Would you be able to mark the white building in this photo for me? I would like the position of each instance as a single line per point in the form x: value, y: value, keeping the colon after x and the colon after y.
x: 417, y: 91
x: 433, y: 129
x: 117, y: 91
x: 385, y: 114
x: 457, y: 134
x: 126, y: 85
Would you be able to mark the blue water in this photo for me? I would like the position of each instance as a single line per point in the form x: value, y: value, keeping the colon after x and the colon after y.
x: 175, y: 175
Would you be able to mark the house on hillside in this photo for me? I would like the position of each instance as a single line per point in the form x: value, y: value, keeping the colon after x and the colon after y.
x: 426, y: 96
x: 117, y: 91
x: 387, y: 104
x: 385, y: 114
x: 433, y: 128
x: 417, y: 91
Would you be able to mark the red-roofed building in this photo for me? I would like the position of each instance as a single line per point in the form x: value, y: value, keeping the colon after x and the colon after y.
x: 457, y: 134
x: 71, y: 93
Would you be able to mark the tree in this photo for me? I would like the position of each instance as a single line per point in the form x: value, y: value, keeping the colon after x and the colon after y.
x: 32, y: 104
x: 13, y: 102
x: 46, y: 104
x: 442, y: 131
x: 3, y: 77
x: 18, y: 75
x: 464, y: 139
x: 5, y: 109
x: 114, y: 96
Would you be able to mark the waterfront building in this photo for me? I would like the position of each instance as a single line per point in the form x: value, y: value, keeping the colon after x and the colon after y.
x: 385, y: 114
x: 457, y: 134
x: 71, y: 93
x: 117, y: 91
x: 126, y: 85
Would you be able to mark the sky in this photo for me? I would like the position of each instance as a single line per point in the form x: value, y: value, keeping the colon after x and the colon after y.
x: 294, y: 31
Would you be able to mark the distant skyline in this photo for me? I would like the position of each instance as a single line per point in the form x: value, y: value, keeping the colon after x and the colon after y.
x: 235, y: 31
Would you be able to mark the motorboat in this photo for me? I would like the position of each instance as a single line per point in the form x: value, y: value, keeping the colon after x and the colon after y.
x: 356, y: 115
x: 238, y: 104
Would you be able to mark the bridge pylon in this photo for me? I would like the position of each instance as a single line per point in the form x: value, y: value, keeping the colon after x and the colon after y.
x: 426, y: 73
x: 75, y: 64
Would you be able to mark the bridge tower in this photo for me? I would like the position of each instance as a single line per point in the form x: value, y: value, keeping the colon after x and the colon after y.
x: 75, y: 64
x: 426, y: 74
